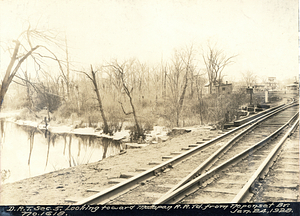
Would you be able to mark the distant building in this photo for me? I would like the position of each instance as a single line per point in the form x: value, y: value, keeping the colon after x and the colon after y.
x: 259, y: 87
x: 271, y: 83
x: 224, y: 88
x: 292, y: 88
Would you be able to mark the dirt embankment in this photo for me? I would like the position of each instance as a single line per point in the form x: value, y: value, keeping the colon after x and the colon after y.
x: 72, y: 183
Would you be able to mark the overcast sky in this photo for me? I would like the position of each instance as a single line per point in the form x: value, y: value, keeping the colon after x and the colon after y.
x: 263, y: 33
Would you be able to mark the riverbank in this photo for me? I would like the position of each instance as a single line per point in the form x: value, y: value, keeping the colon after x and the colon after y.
x: 58, y: 128
x: 71, y: 184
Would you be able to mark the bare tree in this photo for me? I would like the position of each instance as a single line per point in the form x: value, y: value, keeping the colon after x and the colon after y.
x: 140, y: 78
x: 41, y: 92
x: 179, y: 76
x: 215, y: 61
x: 116, y: 82
x: 199, y: 84
x: 93, y: 79
x: 67, y: 75
x: 157, y: 85
x: 164, y: 79
x: 249, y: 78
x: 122, y: 73
x: 29, y: 90
x: 23, y: 49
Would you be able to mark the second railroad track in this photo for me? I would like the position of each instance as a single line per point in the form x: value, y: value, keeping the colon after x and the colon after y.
x: 217, y: 168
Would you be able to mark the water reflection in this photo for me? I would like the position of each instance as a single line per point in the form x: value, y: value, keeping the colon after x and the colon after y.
x: 28, y: 151
x: 2, y: 132
x: 31, y: 132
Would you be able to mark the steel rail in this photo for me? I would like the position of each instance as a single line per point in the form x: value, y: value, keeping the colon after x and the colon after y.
x: 193, y: 185
x: 204, y: 166
x: 263, y: 169
x: 105, y: 195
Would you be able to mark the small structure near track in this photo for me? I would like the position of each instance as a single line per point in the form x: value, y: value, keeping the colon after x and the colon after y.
x: 292, y: 88
x: 223, y: 88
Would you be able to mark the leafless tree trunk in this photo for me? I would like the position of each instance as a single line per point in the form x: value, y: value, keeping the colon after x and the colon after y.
x: 96, y: 89
x: 10, y: 72
x: 215, y: 61
x: 121, y: 74
x: 68, y: 69
x: 179, y: 77
x: 24, y: 49
x: 163, y: 72
x: 154, y: 82
x: 199, y: 83
x: 28, y: 90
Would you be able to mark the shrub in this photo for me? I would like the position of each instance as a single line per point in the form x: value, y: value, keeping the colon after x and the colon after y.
x: 134, y: 135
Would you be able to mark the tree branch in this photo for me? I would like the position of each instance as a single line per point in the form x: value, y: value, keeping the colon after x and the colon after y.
x: 124, y: 110
x: 19, y: 64
x: 85, y: 73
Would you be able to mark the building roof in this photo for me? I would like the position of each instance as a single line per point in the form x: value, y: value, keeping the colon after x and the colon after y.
x: 223, y: 84
x: 292, y: 85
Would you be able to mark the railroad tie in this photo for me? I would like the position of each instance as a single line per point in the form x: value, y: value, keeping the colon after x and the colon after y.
x: 126, y: 175
x: 153, y: 163
x: 94, y: 190
x: 176, y: 153
x: 194, y: 145
x: 167, y: 157
x: 140, y: 169
x: 114, y: 181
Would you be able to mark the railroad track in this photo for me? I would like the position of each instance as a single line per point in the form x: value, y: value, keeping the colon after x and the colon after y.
x: 162, y: 180
x: 282, y: 182
x: 236, y: 179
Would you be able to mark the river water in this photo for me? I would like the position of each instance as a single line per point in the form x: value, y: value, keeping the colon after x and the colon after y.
x: 27, y: 151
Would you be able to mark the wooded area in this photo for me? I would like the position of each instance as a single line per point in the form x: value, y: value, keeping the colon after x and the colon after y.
x: 107, y: 95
